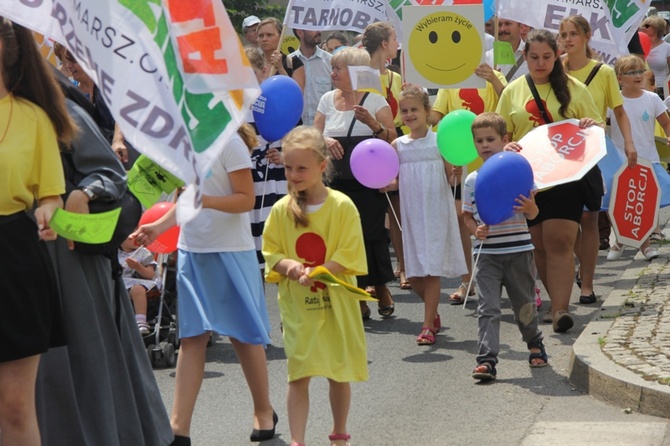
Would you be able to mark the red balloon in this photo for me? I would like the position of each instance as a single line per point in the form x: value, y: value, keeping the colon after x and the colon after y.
x: 645, y: 42
x: 167, y: 241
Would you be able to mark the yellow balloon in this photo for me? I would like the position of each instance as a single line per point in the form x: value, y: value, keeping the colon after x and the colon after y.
x: 451, y: 36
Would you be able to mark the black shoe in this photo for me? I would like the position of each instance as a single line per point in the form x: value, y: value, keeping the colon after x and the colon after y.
x: 604, y: 244
x: 578, y: 280
x: 587, y: 300
x: 265, y: 434
x: 180, y: 440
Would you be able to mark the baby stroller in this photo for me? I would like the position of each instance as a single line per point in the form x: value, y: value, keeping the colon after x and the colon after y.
x: 163, y: 338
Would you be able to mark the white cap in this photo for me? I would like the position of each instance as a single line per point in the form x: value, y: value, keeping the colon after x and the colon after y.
x: 250, y: 21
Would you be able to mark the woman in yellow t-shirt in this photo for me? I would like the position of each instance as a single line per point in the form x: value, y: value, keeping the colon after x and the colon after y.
x: 575, y: 33
x: 554, y: 231
x: 379, y: 39
x: 33, y: 120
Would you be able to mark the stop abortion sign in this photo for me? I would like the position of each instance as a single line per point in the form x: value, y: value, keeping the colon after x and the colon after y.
x: 634, y: 203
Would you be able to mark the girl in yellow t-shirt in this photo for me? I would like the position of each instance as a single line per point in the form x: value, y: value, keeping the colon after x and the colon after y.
x: 379, y: 39
x: 33, y: 119
x: 323, y: 332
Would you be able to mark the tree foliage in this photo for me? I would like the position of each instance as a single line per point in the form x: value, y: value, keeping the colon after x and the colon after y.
x: 238, y: 10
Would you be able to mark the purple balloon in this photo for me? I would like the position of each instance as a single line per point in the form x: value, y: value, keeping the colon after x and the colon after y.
x: 374, y: 163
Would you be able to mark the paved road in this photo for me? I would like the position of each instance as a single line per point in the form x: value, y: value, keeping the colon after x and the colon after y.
x: 425, y: 395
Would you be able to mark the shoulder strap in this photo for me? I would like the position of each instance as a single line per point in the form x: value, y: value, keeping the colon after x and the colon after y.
x: 593, y: 73
x: 514, y: 69
x: 538, y: 101
x: 353, y: 121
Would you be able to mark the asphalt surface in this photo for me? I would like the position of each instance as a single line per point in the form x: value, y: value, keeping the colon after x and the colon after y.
x: 425, y: 395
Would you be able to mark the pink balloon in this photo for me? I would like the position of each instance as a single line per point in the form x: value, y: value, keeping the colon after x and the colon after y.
x: 374, y: 163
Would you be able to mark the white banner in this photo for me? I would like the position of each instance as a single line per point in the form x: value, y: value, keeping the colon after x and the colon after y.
x: 613, y: 22
x: 352, y: 15
x: 165, y: 70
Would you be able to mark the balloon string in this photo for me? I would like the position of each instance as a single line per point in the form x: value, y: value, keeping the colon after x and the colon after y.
x: 393, y: 210
x: 265, y: 182
x: 472, y: 275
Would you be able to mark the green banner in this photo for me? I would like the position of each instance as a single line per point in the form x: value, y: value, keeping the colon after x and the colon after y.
x: 503, y: 53
x: 85, y: 228
x: 147, y: 181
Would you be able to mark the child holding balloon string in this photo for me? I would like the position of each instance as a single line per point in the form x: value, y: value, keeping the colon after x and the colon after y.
x: 432, y: 250
x: 505, y: 258
x: 323, y: 331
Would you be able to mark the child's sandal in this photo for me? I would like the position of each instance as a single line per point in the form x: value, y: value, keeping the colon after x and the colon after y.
x: 335, y: 437
x: 542, y: 354
x: 488, y: 375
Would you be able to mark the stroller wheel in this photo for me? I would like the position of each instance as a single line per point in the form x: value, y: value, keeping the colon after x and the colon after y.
x: 152, y: 357
x: 169, y: 355
x: 172, y: 339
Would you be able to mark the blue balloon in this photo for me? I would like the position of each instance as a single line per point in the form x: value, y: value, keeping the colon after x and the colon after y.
x: 279, y: 107
x: 489, y: 9
x: 501, y: 179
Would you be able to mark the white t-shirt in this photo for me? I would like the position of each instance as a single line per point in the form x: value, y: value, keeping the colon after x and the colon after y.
x: 658, y: 62
x: 642, y: 113
x: 338, y: 122
x: 216, y: 231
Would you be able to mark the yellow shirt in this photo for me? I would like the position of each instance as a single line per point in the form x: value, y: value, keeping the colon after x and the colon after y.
x: 30, y: 163
x: 392, y: 83
x: 323, y: 331
x: 604, y: 87
x: 477, y: 100
x: 520, y: 111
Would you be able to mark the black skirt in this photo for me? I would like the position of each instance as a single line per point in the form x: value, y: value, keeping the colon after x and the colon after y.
x: 30, y: 311
x: 371, y: 205
x: 559, y: 202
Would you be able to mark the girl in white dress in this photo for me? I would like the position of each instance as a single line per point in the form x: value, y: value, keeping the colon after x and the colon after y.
x: 430, y: 234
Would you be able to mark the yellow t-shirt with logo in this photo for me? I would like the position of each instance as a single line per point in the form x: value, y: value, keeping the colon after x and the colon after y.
x: 322, y: 326
x: 30, y: 163
x: 477, y: 100
x: 604, y: 87
x: 522, y: 115
x: 392, y: 84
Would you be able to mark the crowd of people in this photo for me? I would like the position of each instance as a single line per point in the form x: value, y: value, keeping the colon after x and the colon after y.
x: 274, y: 211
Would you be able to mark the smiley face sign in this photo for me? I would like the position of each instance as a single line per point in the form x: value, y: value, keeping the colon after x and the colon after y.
x: 444, y: 45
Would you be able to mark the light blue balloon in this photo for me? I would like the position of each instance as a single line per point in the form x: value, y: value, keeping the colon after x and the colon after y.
x: 489, y: 9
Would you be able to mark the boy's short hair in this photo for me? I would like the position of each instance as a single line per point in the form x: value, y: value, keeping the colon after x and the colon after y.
x: 628, y: 63
x: 490, y: 120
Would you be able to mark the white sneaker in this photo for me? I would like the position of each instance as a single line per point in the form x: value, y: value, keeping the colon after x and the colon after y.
x: 143, y: 327
x: 651, y: 253
x: 615, y: 252
x: 538, y: 299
